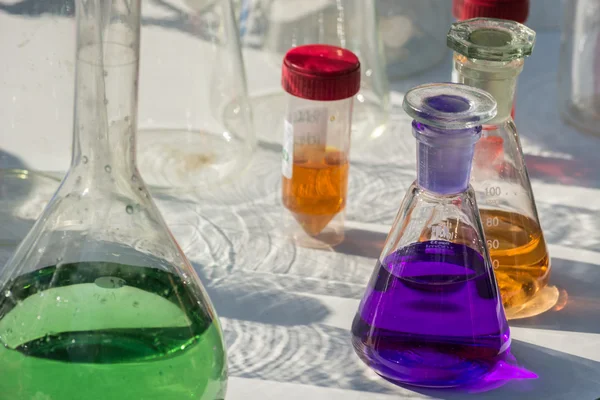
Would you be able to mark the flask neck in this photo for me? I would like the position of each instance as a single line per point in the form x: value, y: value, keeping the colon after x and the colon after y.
x: 495, y: 77
x: 107, y: 61
x: 444, y: 158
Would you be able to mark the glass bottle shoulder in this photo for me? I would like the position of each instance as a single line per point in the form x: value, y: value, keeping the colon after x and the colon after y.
x: 427, y: 216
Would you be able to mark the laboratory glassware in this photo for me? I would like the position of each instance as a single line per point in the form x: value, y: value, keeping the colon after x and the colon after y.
x: 513, y: 10
x: 195, y: 123
x: 413, y: 34
x: 36, y: 111
x: 320, y: 82
x: 270, y: 28
x: 36, y: 89
x: 489, y: 54
x: 431, y: 314
x: 579, y: 69
x: 99, y: 301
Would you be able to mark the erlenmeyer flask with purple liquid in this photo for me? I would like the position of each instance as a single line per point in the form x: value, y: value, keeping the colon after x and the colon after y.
x: 432, y: 314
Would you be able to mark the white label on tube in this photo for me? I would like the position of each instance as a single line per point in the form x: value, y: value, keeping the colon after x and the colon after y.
x: 310, y: 126
x: 287, y: 153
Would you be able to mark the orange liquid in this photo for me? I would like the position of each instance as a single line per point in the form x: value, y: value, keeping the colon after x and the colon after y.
x: 317, y: 191
x: 519, y: 256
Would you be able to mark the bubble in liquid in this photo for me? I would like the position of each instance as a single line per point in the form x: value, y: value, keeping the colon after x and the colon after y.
x: 129, y: 209
x: 107, y: 168
x: 109, y: 282
x: 84, y: 159
x: 133, y: 178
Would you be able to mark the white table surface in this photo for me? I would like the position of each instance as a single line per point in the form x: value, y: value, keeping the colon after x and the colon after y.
x: 286, y: 310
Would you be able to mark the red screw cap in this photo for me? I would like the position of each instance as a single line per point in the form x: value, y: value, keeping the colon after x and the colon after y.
x: 513, y: 10
x: 321, y: 72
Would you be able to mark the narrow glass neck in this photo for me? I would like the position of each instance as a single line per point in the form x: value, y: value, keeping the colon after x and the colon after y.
x: 495, y: 77
x: 108, y: 39
x: 444, y: 157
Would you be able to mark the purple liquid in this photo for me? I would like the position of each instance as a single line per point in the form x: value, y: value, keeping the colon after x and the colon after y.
x: 432, y: 316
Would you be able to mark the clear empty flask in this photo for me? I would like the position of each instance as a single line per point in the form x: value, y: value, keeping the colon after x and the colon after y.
x: 432, y: 315
x: 413, y: 34
x: 489, y: 54
x: 98, y: 301
x: 195, y: 125
x: 269, y: 28
x: 579, y: 73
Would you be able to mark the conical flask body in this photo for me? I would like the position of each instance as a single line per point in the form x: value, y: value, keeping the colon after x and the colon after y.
x: 431, y: 314
x: 489, y: 55
x: 508, y: 212
x: 99, y: 301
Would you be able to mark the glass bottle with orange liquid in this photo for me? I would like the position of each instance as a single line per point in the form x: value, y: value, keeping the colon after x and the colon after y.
x: 489, y: 54
x: 320, y: 81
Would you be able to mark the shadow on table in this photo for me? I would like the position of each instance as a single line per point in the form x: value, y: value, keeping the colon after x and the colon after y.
x: 245, y: 299
x: 560, y: 376
x: 315, y: 355
x: 362, y: 243
x: 581, y: 312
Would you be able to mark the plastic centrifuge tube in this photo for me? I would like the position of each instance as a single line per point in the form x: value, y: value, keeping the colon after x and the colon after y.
x: 320, y: 82
x: 98, y: 301
x: 431, y: 314
x: 489, y: 54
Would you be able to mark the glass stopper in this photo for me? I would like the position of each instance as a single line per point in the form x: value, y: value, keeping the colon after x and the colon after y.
x: 491, y: 39
x: 449, y: 105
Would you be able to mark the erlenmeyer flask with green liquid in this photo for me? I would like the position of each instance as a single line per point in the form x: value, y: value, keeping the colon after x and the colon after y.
x: 99, y: 301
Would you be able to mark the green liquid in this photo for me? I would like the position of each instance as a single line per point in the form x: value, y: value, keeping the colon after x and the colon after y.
x: 95, y: 330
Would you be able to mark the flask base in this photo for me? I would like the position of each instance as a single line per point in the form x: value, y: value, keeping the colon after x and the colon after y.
x: 426, y: 361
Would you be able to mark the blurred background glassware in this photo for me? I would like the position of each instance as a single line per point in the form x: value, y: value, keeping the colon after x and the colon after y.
x: 579, y: 71
x: 195, y: 123
x: 413, y: 34
x: 37, y: 48
x: 269, y: 28
x: 36, y: 106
